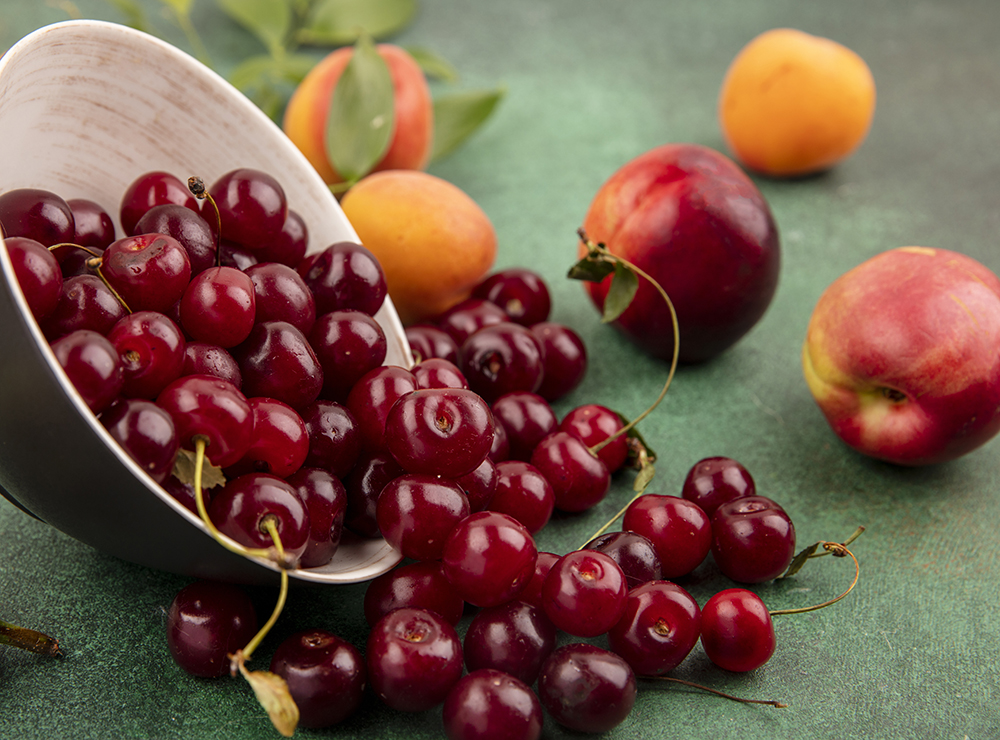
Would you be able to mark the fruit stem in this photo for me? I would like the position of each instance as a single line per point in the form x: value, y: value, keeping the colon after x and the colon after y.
x: 95, y: 264
x: 197, y: 187
x: 839, y: 550
x: 271, y: 526
x: 30, y: 640
x: 200, y: 443
x: 741, y: 700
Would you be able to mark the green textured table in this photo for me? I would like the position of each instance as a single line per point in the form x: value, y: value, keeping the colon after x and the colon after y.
x: 911, y: 653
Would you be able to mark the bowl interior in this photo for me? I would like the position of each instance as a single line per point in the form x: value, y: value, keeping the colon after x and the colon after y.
x: 85, y: 108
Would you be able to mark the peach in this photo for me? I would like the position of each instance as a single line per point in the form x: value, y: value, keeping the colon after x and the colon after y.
x: 411, y: 144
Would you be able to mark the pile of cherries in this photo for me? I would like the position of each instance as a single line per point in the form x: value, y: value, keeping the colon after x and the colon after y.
x: 209, y: 322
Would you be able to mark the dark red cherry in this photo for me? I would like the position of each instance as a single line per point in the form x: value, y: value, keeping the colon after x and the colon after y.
x: 439, y: 373
x: 714, y: 481
x: 578, y: 478
x: 281, y: 295
x: 584, y: 593
x: 678, y: 529
x: 736, y: 630
x: 241, y: 508
x: 587, y: 688
x: 521, y: 293
x: 218, y: 306
x: 151, y: 348
x: 326, y: 500
x: 36, y: 214
x: 370, y: 475
x: 635, y: 554
x: 92, y: 225
x: 593, y: 424
x: 348, y: 344
x: 464, y: 319
x: 753, y: 539
x: 334, y: 437
x: 661, y: 624
x: 202, y: 358
x: 532, y: 592
x: 515, y: 637
x: 152, y: 189
x: 416, y: 513
x: 280, y: 441
x: 523, y: 493
x: 502, y: 358
x: 84, y: 303
x: 146, y: 432
x: 491, y: 705
x: 252, y: 207
x: 414, y: 658
x: 289, y: 247
x: 186, y: 226
x: 372, y: 396
x: 277, y: 361
x: 345, y: 276
x: 149, y: 271
x: 527, y: 418
x: 91, y: 363
x: 202, y: 405
x: 206, y: 622
x: 428, y: 342
x: 480, y: 485
x: 564, y: 359
x: 420, y: 585
x: 38, y: 274
x: 326, y: 676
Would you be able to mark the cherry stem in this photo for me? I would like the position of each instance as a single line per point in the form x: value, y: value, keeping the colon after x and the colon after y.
x: 197, y: 187
x: 95, y: 264
x: 837, y: 549
x: 601, y: 251
x: 270, y: 524
x: 741, y: 700
x: 30, y: 640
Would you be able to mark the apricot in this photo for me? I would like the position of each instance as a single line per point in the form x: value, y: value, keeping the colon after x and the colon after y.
x: 793, y: 104
x: 307, y: 111
x: 433, y: 241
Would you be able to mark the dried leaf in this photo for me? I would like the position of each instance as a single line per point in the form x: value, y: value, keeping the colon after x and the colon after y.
x: 272, y: 692
x: 211, y: 475
x: 644, y: 478
x: 622, y: 290
x: 799, y: 560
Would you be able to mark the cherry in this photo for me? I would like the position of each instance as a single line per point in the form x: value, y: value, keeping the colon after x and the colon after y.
x: 564, y: 359
x: 186, y: 226
x: 205, y: 623
x: 149, y: 271
x: 91, y: 363
x: 414, y: 658
x: 500, y: 449
x: 84, y: 303
x: 36, y: 214
x: 202, y: 358
x: 523, y: 493
x: 239, y: 511
x: 152, y: 189
x: 491, y: 705
x: 714, y: 481
x: 429, y: 342
x: 76, y: 261
x: 439, y: 431
x: 326, y: 676
x: 277, y: 361
x: 584, y: 593
x: 480, y: 485
x: 515, y: 638
x: 151, y: 349
x: 185, y: 494
x: 527, y: 418
x: 218, y: 306
x: 279, y: 443
x: 234, y: 255
x: 326, y: 501
x: 419, y: 585
x: 489, y: 558
x: 252, y: 207
x: 372, y: 396
x: 736, y: 630
x: 634, y: 553
x: 502, y: 358
x: 532, y: 592
x: 348, y: 344
x: 660, y: 626
x: 201, y: 405
x: 38, y: 274
x: 343, y: 276
x: 281, y: 295
x: 593, y: 424
x: 289, y: 247
x: 416, y: 513
x: 92, y: 225
x: 522, y: 294
x: 146, y: 432
x: 753, y: 539
x: 365, y: 482
x: 587, y: 688
x: 334, y: 437
x: 439, y: 373
x: 578, y: 478
x: 464, y: 319
x: 679, y: 530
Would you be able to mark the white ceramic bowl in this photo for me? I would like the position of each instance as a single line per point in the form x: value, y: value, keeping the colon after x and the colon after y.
x: 85, y: 108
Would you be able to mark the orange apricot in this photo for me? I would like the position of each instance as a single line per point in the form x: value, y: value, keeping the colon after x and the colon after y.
x: 433, y: 241
x: 793, y: 104
x: 305, y: 116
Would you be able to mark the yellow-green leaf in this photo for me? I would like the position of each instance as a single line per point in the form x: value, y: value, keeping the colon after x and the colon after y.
x: 338, y: 22
x: 457, y: 116
x: 433, y: 64
x: 272, y: 692
x: 268, y: 20
x: 622, y: 290
x: 211, y: 475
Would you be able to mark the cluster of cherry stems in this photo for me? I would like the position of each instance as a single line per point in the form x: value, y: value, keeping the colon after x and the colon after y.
x: 208, y: 329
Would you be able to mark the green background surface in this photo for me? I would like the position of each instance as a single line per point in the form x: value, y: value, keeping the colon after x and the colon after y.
x: 912, y: 652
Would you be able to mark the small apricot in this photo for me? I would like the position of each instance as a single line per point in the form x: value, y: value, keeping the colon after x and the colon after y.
x: 793, y: 104
x: 433, y: 241
x: 412, y: 139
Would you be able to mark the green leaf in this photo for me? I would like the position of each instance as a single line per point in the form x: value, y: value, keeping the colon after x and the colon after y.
x: 644, y: 477
x: 457, y: 116
x: 799, y: 560
x: 265, y: 69
x: 592, y: 269
x: 339, y: 22
x: 181, y: 7
x: 184, y: 464
x: 433, y: 64
x: 360, y: 123
x: 268, y: 20
x: 622, y: 290
x: 135, y: 16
